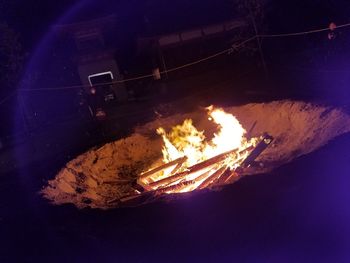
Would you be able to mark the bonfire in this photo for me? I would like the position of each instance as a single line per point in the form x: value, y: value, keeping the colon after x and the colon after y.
x: 182, y: 154
x: 191, y: 162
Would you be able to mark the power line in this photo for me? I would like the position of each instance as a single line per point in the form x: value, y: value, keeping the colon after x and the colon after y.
x: 302, y: 33
x: 229, y: 50
x: 320, y: 70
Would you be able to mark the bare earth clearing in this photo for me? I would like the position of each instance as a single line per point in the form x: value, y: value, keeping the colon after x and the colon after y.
x: 103, y: 174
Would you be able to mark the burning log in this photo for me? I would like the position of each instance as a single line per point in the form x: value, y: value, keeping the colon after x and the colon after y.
x: 191, y: 170
x: 146, y: 195
x: 169, y: 180
x: 178, y: 176
x: 202, y: 176
x: 226, y: 177
x: 178, y: 161
x: 179, y: 181
x: 213, y: 177
x: 140, y: 186
x: 178, y: 187
x: 262, y: 145
x: 175, y: 187
x: 214, y: 171
x: 177, y: 167
x: 216, y: 159
x: 221, y: 176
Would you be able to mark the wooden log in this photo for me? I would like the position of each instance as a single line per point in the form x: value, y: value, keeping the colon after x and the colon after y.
x: 216, y: 159
x: 142, y: 186
x: 169, y: 180
x: 177, y: 167
x: 192, y: 169
x: 213, y: 177
x: 261, y: 146
x: 183, y: 184
x: 162, y: 167
x: 175, y: 187
x: 130, y: 197
x: 139, y: 186
x: 233, y: 178
x: 227, y: 173
x: 153, y: 193
x: 211, y: 161
x: 195, y: 168
x: 220, y: 177
x: 202, y: 176
x: 230, y: 176
x: 174, y: 178
x: 223, y: 177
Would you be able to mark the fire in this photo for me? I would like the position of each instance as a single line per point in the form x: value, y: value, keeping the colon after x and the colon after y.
x: 186, y: 140
x: 186, y: 150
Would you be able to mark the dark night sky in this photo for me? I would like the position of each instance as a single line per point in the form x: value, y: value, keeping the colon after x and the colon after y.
x: 33, y: 18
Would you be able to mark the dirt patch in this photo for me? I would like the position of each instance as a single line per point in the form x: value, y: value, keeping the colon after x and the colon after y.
x: 104, y: 174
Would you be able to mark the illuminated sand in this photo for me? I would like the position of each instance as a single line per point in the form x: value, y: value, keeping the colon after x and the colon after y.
x: 100, y: 175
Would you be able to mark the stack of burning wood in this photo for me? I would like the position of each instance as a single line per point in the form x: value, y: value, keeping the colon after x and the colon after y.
x: 173, y: 178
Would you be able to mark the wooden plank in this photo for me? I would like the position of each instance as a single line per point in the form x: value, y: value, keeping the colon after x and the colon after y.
x: 211, y: 161
x: 169, y: 180
x: 216, y: 159
x: 174, y: 178
x: 177, y: 167
x: 225, y: 179
x: 213, y: 177
x: 260, y: 147
x: 175, y: 187
x: 162, y: 167
x: 195, y: 168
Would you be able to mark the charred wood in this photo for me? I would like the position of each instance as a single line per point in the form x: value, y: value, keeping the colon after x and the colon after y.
x: 262, y: 145
x: 212, y: 177
x: 162, y: 167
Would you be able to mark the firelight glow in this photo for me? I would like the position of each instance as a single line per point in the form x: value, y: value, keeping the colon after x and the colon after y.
x: 187, y: 143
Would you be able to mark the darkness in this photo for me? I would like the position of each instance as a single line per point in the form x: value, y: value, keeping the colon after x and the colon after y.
x: 297, y: 213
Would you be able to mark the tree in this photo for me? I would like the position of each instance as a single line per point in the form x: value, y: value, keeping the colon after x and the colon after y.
x: 253, y: 12
x: 10, y: 56
x: 252, y: 9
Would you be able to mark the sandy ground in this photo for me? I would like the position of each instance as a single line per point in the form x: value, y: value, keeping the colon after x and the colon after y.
x: 104, y: 174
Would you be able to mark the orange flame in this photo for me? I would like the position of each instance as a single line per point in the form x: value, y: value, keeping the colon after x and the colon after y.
x: 186, y: 141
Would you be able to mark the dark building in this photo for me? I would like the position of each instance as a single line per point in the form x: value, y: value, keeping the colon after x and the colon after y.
x: 178, y: 48
x: 95, y: 58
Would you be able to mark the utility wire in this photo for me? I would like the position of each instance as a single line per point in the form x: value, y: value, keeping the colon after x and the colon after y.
x: 314, y: 69
x: 226, y: 51
x: 302, y: 33
x: 138, y: 77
